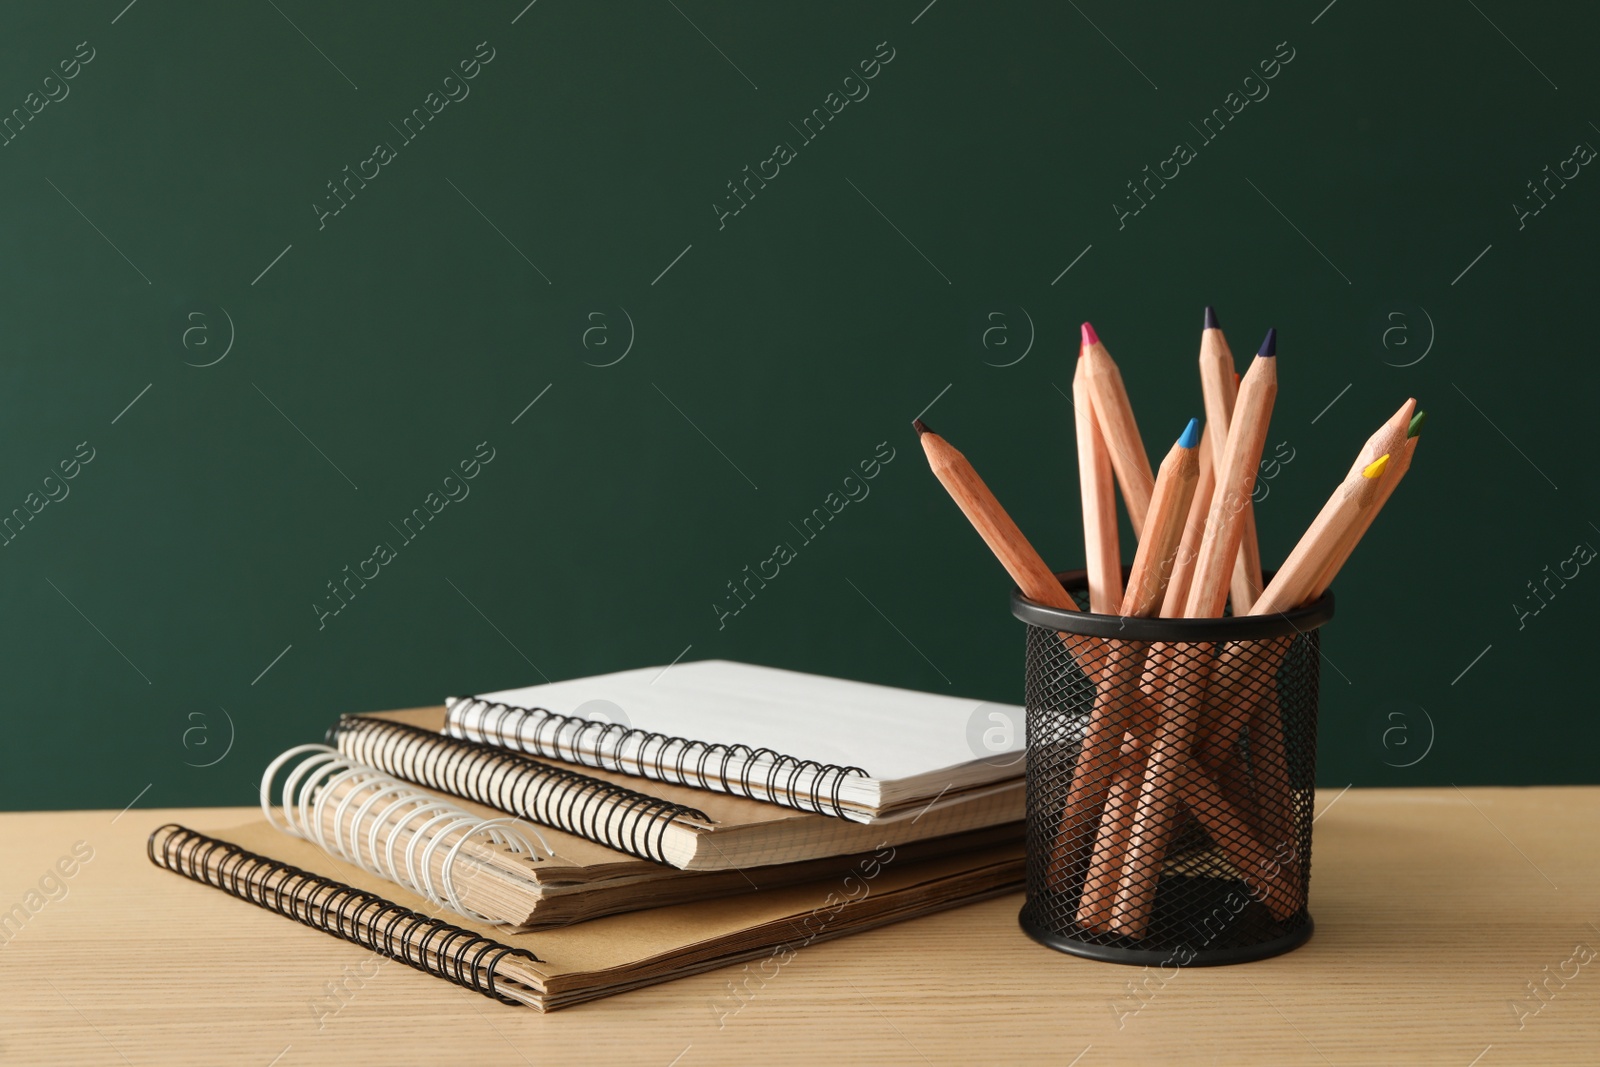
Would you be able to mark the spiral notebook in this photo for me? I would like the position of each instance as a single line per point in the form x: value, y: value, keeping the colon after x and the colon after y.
x: 850, y: 749
x: 477, y: 863
x: 691, y: 829
x: 553, y: 969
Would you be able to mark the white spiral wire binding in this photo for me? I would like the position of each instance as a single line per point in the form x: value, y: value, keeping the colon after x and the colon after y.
x: 311, y: 787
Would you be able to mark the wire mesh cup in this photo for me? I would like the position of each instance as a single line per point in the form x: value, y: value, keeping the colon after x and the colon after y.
x: 1171, y: 765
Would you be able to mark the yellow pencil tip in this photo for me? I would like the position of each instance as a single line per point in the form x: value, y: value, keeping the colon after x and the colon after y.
x: 1375, y: 468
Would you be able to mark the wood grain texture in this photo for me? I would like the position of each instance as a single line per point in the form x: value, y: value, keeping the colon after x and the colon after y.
x: 993, y: 524
x: 1169, y: 509
x: 1334, y: 525
x: 1114, y: 411
x: 1434, y: 909
x: 1236, y: 480
x: 1003, y: 537
x: 1181, y: 672
x: 1220, y: 388
x: 1097, y: 491
x: 1104, y: 774
x: 1390, y: 440
x: 1172, y: 604
x: 1104, y: 873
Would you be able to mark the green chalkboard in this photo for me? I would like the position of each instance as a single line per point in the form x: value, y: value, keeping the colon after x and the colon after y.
x: 357, y: 355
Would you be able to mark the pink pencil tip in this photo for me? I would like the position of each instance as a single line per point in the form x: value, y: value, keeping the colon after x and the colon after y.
x: 1089, y: 336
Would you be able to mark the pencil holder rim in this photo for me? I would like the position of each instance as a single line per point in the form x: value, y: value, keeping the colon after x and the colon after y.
x: 1240, y: 628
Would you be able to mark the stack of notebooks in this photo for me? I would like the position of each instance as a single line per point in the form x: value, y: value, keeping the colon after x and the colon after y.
x: 529, y: 845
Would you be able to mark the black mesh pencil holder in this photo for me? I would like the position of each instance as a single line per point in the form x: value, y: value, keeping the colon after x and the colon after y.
x: 1171, y: 765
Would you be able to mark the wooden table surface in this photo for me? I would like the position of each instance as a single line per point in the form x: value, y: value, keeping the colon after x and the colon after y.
x: 1435, y: 910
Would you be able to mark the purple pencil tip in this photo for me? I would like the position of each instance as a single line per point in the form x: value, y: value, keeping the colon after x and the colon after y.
x: 1211, y: 318
x: 1269, y: 347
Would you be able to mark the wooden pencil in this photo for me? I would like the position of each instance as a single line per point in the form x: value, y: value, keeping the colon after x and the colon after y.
x: 1228, y: 711
x: 1269, y: 876
x: 1102, y: 765
x: 1236, y: 698
x: 1025, y: 566
x: 1033, y: 577
x: 1180, y: 670
x: 1266, y: 877
x: 1219, y: 385
x: 1172, y: 602
x: 1099, y: 496
x: 1230, y: 775
x: 1115, y: 414
x: 1343, y: 517
x: 1110, y: 848
x: 1236, y: 480
x: 1183, y: 671
x: 1156, y: 555
x: 1171, y: 506
x: 1299, y: 573
x: 1399, y: 463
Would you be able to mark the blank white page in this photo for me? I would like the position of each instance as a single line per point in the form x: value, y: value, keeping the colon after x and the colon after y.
x: 889, y: 733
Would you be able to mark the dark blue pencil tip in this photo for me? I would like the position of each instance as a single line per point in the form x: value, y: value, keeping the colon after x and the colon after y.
x: 1211, y: 318
x: 1191, y: 434
x: 1269, y: 347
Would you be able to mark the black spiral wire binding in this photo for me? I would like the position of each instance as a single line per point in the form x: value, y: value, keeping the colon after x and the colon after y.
x: 511, y: 782
x: 366, y: 919
x: 721, y: 768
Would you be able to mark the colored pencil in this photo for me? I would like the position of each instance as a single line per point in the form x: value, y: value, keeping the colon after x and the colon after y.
x: 1177, y: 593
x: 1236, y: 480
x: 1228, y: 710
x: 1399, y: 463
x: 1099, y: 495
x: 1266, y: 877
x: 1235, y: 699
x: 1266, y: 717
x: 1311, y: 556
x: 1300, y: 577
x: 1219, y: 384
x: 1101, y: 764
x: 1110, y: 849
x: 1115, y: 414
x: 1169, y: 508
x: 1024, y: 565
x: 1183, y: 671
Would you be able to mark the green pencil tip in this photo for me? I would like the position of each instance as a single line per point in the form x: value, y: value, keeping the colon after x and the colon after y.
x: 1416, y: 423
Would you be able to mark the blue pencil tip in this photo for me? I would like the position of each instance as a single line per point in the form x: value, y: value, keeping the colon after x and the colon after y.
x: 1191, y: 434
x: 1269, y: 347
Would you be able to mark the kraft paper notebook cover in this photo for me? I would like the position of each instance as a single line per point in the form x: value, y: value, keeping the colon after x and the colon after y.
x: 553, y: 969
x: 449, y: 849
x: 688, y: 828
x: 858, y: 751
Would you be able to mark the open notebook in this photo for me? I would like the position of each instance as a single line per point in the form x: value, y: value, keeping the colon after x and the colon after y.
x: 863, y: 752
x: 552, y: 969
x: 686, y: 828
